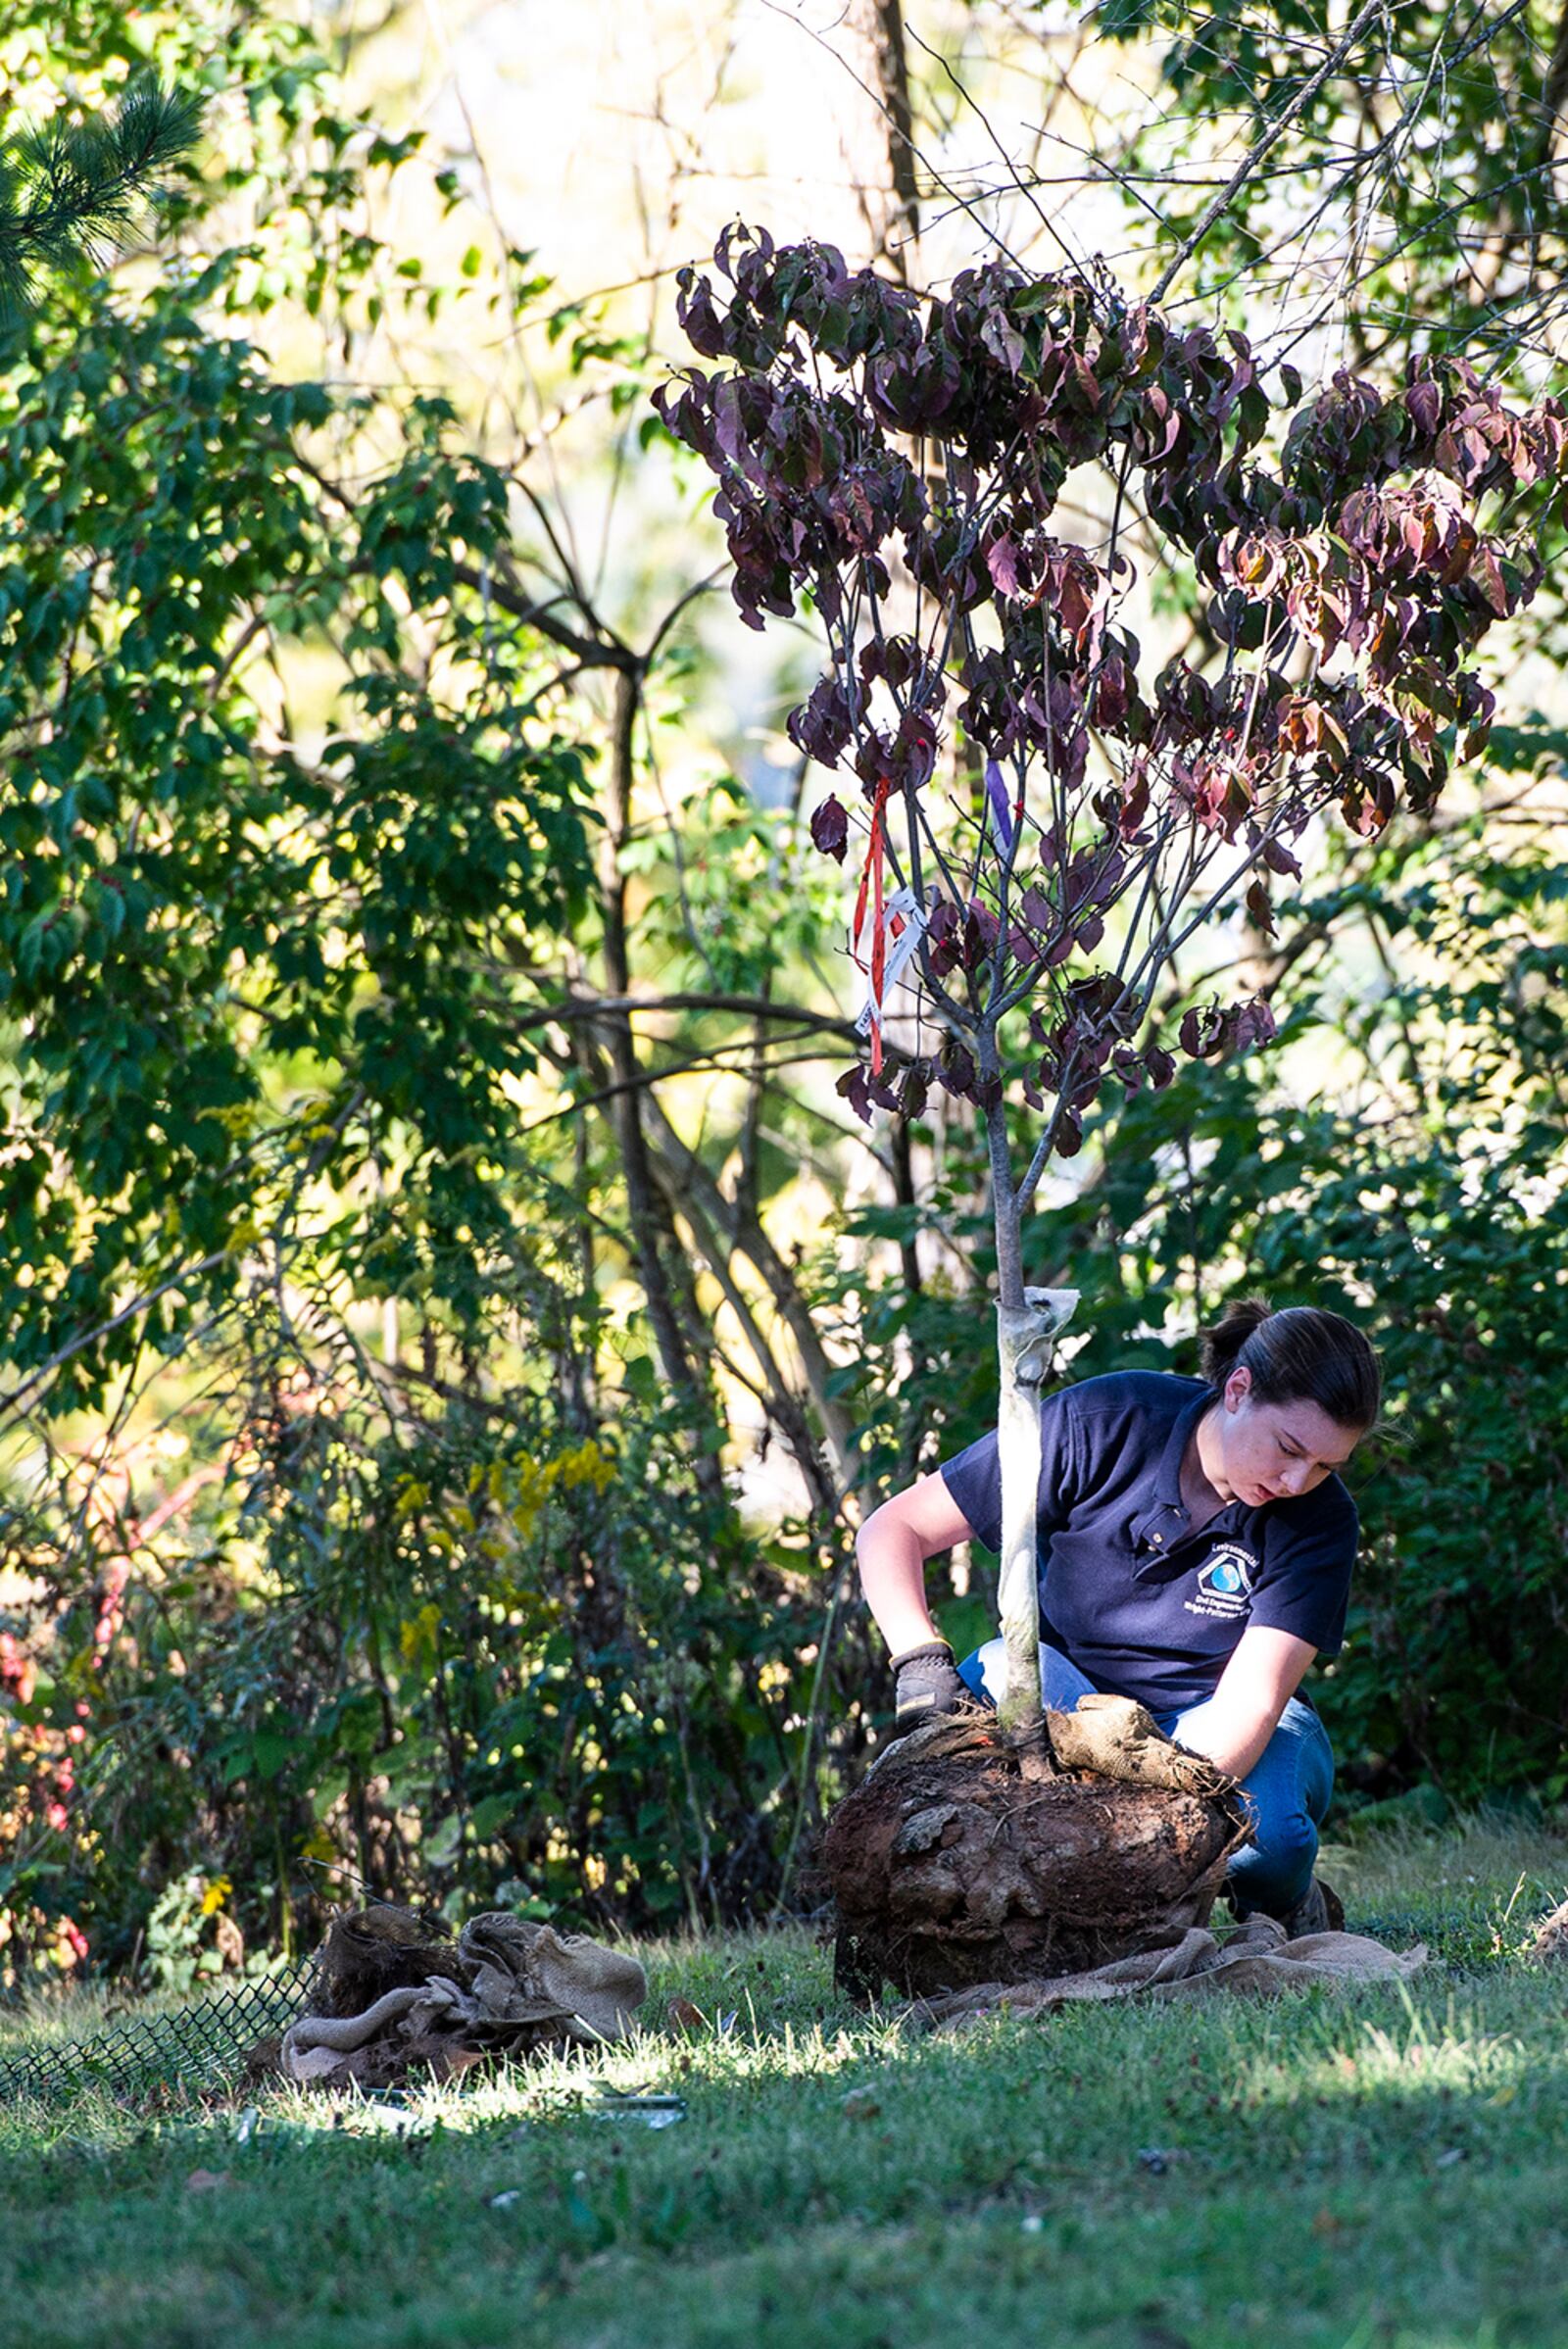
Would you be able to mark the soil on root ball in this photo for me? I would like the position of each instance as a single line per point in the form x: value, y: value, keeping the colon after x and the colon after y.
x: 371, y: 1950
x: 952, y: 1868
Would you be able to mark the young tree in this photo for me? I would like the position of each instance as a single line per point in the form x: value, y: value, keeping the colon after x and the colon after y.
x: 1045, y: 823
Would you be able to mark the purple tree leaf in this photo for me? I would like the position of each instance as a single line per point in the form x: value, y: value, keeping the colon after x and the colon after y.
x: 830, y: 828
x: 854, y: 1087
x: 1249, y: 1025
x: 1002, y: 561
x: 821, y: 726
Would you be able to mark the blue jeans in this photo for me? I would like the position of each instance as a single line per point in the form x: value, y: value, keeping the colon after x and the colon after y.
x: 1287, y: 1787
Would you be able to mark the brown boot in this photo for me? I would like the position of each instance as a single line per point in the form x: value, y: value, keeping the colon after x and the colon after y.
x: 1320, y: 1910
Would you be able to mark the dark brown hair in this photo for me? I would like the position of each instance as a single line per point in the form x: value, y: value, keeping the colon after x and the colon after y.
x: 1301, y: 1353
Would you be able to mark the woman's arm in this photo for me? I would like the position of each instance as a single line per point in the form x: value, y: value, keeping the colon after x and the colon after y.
x: 892, y: 1549
x: 1238, y: 1720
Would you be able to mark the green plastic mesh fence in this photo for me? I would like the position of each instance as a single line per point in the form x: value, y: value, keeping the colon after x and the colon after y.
x: 191, y: 2048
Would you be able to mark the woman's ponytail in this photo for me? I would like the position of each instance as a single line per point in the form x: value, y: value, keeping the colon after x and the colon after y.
x: 1301, y: 1353
x: 1223, y: 1343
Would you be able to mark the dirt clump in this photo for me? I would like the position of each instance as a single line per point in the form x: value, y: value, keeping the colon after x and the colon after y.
x: 371, y: 1950
x: 1551, y: 1937
x: 957, y: 1861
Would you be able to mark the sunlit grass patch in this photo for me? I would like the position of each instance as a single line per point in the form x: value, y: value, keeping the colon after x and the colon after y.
x: 1474, y: 1892
x: 1384, y: 2165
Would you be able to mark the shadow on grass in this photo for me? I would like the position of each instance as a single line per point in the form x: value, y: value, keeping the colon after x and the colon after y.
x: 1387, y: 2168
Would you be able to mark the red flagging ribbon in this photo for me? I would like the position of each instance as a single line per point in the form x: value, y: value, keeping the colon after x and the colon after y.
x: 871, y: 886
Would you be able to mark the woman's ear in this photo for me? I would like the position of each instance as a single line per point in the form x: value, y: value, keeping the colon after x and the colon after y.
x: 1238, y: 1386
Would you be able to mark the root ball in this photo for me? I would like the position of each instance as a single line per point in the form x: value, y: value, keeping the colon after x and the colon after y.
x: 951, y: 1866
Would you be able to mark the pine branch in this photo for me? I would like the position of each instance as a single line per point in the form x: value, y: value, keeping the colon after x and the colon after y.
x: 78, y: 190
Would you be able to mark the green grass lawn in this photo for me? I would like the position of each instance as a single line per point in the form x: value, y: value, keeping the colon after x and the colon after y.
x: 1386, y: 2169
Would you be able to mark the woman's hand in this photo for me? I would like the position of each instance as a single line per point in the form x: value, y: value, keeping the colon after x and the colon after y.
x: 925, y: 1686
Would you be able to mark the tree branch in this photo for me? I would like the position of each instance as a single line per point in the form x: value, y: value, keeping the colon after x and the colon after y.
x: 1254, y: 155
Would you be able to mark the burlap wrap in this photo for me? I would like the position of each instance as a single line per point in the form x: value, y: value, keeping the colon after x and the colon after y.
x: 1258, y: 1959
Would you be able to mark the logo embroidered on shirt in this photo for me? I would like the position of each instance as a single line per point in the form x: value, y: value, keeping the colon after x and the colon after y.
x: 1225, y: 1583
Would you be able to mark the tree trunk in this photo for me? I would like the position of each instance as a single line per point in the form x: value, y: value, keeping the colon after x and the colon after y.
x: 904, y: 1192
x: 1027, y: 1323
x: 876, y: 126
x: 642, y: 1207
x: 784, y: 1406
x: 746, y: 1235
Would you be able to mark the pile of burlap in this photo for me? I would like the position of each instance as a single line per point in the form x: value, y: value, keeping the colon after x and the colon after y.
x: 1258, y: 1959
x: 397, y: 2000
x: 962, y: 1861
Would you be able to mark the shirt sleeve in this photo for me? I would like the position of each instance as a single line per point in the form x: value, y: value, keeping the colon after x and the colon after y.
x: 973, y: 1477
x: 1307, y: 1563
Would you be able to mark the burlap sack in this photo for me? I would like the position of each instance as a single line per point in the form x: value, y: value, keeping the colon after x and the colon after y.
x: 509, y: 1985
x: 1552, y: 1936
x: 1117, y: 1737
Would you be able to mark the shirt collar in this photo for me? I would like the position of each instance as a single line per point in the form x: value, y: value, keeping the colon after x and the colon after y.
x: 1168, y: 1481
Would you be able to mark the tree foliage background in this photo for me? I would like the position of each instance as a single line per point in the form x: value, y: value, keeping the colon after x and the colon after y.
x: 438, y: 1396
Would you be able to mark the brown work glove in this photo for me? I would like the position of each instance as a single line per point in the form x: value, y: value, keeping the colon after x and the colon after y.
x: 1116, y: 1736
x: 925, y: 1685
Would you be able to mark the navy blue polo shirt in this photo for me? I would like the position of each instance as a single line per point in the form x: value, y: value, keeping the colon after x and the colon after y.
x: 1128, y: 1592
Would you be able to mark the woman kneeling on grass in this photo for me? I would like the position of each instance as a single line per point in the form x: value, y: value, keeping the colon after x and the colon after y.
x: 1196, y: 1549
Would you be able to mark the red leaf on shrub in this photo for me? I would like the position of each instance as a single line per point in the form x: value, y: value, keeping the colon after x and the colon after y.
x: 830, y: 829
x: 1002, y: 561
